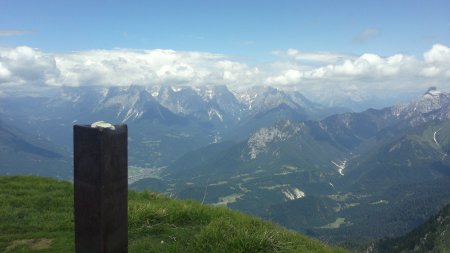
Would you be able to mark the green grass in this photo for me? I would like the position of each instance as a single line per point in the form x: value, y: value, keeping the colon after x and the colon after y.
x: 336, y: 224
x: 36, y: 215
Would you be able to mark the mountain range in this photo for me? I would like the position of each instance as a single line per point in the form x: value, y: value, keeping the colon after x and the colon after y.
x: 362, y: 175
x: 346, y: 177
x: 165, y: 122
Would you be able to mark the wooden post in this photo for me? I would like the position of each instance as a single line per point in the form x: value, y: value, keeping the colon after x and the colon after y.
x: 101, y: 188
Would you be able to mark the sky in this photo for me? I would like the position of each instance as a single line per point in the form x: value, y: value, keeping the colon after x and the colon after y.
x: 335, y: 47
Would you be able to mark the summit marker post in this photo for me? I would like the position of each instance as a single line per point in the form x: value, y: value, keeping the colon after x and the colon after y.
x: 101, y: 188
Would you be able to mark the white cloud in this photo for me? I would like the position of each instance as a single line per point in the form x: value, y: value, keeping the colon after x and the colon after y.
x: 4, y: 72
x: 324, y: 57
x: 150, y: 67
x: 23, y: 65
x: 437, y: 61
x: 437, y: 54
x: 371, y: 74
x: 10, y: 33
x: 310, y: 72
x: 370, y: 65
x: 366, y: 35
x: 367, y: 66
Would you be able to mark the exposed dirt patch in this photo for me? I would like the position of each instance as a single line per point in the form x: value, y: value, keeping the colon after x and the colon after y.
x: 34, y: 244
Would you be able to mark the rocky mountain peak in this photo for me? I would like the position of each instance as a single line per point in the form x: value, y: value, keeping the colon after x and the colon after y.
x: 432, y: 92
x: 433, y: 99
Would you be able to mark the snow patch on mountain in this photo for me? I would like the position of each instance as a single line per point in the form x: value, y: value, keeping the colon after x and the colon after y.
x: 69, y: 97
x: 132, y: 114
x: 217, y: 139
x: 246, y: 98
x: 332, y: 185
x: 434, y: 137
x: 293, y: 193
x: 176, y: 89
x: 397, y: 110
x: 154, y: 90
x: 340, y: 165
x: 207, y: 93
x: 323, y: 126
x: 213, y: 112
x: 396, y: 146
x: 104, y: 92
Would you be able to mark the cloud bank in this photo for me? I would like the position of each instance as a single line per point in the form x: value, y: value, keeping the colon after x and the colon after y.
x: 294, y: 69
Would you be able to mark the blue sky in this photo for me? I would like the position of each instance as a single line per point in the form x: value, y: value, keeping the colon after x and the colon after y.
x: 251, y: 28
x: 347, y: 48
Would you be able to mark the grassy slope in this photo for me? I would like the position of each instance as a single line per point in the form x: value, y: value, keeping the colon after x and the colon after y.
x: 36, y: 215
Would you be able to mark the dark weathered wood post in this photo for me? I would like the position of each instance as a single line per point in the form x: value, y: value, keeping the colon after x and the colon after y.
x: 101, y: 188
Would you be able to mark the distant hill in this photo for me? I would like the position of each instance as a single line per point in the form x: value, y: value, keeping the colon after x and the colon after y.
x: 431, y: 237
x: 22, y: 153
x: 36, y: 214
